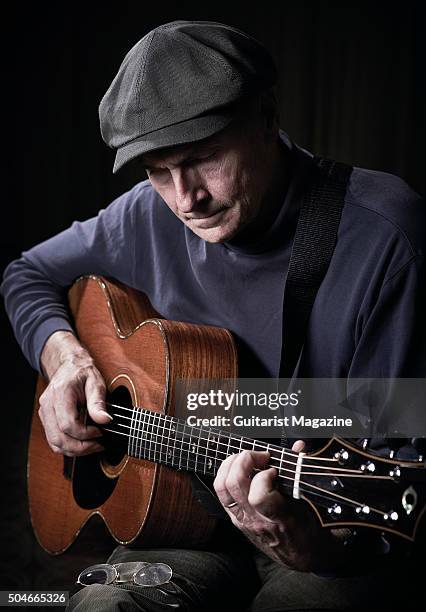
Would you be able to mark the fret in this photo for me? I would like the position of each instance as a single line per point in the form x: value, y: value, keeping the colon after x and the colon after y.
x: 143, y: 434
x: 147, y: 435
x: 198, y: 449
x: 169, y: 431
x: 191, y: 447
x: 145, y: 431
x: 227, y: 452
x: 156, y: 434
x: 187, y: 450
x: 150, y: 429
x: 137, y: 435
x: 134, y: 432
x: 174, y: 427
x: 216, y: 440
x: 131, y: 439
x: 181, y: 445
x: 161, y: 438
x: 207, y: 453
x: 153, y: 436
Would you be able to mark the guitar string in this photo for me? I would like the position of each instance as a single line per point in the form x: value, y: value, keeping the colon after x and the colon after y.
x: 341, y: 472
x: 357, y: 474
x: 347, y: 474
x: 218, y: 432
x: 329, y: 495
x: 177, y: 421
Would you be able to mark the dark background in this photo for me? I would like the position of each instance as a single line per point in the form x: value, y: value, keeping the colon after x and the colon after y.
x: 352, y: 87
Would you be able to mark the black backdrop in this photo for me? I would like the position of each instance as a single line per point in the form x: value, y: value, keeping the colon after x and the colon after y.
x: 352, y: 87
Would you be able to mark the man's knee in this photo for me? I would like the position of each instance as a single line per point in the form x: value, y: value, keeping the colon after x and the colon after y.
x: 102, y: 597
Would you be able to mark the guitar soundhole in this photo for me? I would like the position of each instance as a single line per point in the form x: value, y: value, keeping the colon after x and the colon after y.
x: 91, y: 486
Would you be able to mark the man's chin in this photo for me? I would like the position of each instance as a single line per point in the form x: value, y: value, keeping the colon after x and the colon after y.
x: 215, y: 235
x: 222, y: 232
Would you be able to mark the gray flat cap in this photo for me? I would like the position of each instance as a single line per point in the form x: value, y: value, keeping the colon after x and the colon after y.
x: 180, y: 83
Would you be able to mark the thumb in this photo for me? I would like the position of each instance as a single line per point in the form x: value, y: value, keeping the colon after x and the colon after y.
x: 299, y: 446
x: 95, y: 399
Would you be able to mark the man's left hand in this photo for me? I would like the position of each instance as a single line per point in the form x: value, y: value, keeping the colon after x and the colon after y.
x: 283, y: 528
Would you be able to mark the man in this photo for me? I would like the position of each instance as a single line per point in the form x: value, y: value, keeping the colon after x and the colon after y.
x: 208, y: 238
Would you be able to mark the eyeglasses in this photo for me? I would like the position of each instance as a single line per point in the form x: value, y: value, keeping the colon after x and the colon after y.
x: 139, y: 572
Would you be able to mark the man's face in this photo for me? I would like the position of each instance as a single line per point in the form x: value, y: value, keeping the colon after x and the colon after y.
x: 215, y: 186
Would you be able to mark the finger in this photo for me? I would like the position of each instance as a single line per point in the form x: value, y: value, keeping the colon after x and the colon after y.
x: 219, y: 483
x: 62, y: 443
x: 95, y: 397
x: 68, y: 419
x: 263, y: 495
x: 299, y: 446
x: 239, y: 477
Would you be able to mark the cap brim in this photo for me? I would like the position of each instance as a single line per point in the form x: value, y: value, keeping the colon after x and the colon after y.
x: 191, y: 130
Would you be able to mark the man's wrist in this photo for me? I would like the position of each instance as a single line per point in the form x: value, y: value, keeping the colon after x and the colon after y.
x: 60, y: 346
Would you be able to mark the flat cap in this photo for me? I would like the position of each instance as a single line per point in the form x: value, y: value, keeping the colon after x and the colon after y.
x: 182, y: 82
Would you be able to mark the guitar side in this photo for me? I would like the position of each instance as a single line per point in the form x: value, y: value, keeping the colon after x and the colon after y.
x: 138, y: 352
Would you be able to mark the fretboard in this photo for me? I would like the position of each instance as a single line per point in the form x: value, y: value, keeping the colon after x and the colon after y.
x: 172, y: 442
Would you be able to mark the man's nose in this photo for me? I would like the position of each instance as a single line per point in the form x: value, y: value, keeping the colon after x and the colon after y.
x: 189, y: 190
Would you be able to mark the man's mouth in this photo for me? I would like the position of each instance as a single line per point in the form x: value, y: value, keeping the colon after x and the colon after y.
x: 206, y: 220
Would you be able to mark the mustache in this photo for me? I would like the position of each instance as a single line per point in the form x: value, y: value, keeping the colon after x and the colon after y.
x: 204, y: 214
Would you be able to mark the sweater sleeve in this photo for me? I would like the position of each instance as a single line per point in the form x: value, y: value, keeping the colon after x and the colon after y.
x: 35, y: 285
x: 392, y: 342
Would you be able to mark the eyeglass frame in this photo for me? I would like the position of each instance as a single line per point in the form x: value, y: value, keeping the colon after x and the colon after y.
x: 116, y: 566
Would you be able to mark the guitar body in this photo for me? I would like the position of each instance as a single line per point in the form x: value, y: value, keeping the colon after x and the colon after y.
x: 140, y: 355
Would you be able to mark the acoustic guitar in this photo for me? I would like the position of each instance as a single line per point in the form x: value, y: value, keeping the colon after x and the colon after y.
x: 140, y: 484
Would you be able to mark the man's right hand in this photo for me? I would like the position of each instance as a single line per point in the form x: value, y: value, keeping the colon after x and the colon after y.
x: 74, y: 382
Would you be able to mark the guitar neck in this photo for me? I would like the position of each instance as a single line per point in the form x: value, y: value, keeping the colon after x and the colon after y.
x: 345, y: 484
x: 171, y: 441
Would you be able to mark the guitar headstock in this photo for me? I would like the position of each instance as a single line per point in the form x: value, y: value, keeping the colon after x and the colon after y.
x: 349, y: 486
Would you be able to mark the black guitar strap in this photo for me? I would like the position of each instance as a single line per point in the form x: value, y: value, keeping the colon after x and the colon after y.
x: 313, y: 246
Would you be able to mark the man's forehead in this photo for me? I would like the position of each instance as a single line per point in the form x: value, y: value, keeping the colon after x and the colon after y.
x: 177, y: 153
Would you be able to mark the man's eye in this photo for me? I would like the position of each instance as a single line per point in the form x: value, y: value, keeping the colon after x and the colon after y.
x: 204, y: 158
x: 157, y: 172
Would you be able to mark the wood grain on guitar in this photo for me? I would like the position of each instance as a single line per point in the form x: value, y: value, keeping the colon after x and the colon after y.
x: 140, y: 485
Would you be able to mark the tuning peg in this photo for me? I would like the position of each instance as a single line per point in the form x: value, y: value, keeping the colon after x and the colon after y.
x: 395, y: 444
x: 420, y: 446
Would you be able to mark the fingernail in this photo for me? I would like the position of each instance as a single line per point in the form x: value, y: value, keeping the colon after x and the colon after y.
x: 106, y: 414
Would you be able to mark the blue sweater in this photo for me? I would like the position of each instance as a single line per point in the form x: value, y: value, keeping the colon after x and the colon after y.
x: 368, y: 317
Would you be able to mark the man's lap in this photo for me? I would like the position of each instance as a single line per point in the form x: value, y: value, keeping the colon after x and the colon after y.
x: 237, y: 579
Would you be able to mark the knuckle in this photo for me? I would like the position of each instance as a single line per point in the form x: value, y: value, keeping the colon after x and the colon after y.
x: 219, y: 487
x: 246, y: 456
x: 55, y: 440
x: 59, y: 388
x: 233, y: 488
x: 44, y: 401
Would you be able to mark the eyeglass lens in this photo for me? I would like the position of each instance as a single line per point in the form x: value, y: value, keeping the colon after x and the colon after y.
x: 153, y: 574
x: 97, y: 575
